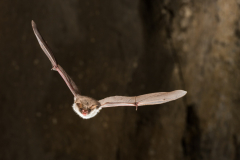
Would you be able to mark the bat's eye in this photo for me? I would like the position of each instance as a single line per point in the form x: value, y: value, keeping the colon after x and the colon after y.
x: 79, y: 105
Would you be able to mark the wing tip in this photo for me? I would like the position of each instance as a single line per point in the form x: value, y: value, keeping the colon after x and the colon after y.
x: 184, y: 92
x: 181, y: 93
x: 33, y: 23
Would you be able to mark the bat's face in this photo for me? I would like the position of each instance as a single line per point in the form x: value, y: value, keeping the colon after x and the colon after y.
x: 86, y: 107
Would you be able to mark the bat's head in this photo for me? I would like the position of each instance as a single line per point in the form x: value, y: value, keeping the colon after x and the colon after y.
x: 86, y: 107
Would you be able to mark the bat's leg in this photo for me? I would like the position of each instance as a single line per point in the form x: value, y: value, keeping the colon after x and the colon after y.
x: 54, y: 68
x: 136, y: 104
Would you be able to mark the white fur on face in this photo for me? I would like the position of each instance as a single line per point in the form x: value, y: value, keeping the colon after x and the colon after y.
x: 88, y: 116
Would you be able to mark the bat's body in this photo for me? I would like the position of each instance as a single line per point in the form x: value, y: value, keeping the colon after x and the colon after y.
x: 87, y: 107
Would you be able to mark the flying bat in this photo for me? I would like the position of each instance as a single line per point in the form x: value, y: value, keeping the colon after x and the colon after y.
x: 87, y: 107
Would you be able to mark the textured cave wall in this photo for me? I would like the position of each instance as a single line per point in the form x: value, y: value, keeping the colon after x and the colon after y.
x: 121, y: 47
x: 206, y: 37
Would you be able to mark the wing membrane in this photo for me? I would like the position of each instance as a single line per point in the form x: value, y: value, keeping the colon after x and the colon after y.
x: 142, y: 100
x: 159, y: 97
x: 71, y: 85
x: 117, y: 101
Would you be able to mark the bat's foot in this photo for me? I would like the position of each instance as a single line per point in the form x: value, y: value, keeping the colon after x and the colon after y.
x: 136, y: 106
x: 54, y: 68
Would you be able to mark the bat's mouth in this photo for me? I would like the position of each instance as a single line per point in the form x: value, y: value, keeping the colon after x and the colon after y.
x: 84, y: 112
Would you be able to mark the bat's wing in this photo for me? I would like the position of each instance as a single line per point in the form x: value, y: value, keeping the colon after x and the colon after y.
x: 159, y: 97
x: 117, y: 101
x: 142, y: 100
x: 72, y: 86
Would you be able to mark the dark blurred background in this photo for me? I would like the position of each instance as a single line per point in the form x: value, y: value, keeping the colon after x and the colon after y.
x: 121, y: 47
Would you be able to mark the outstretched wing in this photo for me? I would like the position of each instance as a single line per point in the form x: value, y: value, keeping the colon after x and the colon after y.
x: 117, y: 101
x: 142, y: 100
x: 71, y: 85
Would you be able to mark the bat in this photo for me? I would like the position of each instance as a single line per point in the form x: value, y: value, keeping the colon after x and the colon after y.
x: 87, y: 107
